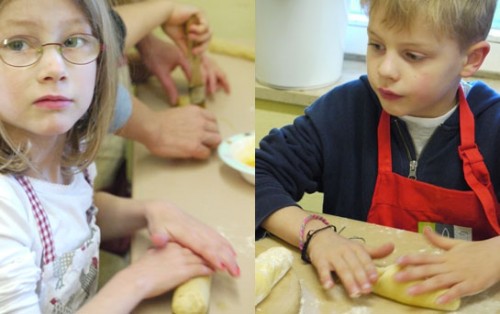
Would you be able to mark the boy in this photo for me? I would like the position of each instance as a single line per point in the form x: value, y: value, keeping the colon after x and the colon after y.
x: 385, y: 149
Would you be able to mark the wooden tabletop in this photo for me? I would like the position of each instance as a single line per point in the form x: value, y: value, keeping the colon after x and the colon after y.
x: 208, y: 190
x: 317, y: 300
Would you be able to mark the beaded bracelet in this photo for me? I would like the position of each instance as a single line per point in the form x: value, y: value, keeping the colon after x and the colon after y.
x: 303, y: 227
x: 303, y: 253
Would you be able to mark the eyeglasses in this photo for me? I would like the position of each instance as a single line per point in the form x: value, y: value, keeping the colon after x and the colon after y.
x: 23, y: 51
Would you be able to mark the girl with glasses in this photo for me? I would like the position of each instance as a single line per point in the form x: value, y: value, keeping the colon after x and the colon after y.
x: 58, y: 86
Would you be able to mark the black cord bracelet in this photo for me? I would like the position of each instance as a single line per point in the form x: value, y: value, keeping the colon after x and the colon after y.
x: 310, y: 235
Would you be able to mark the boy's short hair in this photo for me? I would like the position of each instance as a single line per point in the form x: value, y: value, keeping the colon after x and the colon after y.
x: 467, y: 21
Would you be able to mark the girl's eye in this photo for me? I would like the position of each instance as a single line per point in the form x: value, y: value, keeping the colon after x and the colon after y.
x: 74, y: 42
x: 17, y: 45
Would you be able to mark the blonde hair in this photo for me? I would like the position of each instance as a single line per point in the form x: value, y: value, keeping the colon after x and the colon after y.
x: 84, y: 138
x: 466, y: 21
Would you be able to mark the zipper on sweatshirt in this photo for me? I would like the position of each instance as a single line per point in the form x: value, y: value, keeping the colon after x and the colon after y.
x: 412, y: 174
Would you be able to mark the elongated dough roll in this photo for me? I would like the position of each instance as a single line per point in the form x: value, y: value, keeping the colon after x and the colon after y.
x: 192, y: 297
x: 270, y: 267
x: 388, y: 287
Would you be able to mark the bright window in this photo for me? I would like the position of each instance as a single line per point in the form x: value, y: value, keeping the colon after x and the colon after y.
x: 356, y: 39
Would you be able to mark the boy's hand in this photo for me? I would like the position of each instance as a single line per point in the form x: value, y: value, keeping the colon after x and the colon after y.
x: 465, y: 268
x: 351, y: 260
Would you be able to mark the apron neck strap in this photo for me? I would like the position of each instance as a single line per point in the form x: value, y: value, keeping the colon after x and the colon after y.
x: 467, y: 126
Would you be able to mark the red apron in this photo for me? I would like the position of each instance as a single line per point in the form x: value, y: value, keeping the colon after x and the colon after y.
x: 402, y: 203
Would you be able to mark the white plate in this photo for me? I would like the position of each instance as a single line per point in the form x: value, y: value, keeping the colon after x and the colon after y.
x: 235, y: 150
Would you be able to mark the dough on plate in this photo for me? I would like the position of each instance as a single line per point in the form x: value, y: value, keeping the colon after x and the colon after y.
x: 192, y: 297
x: 388, y: 287
x: 270, y: 267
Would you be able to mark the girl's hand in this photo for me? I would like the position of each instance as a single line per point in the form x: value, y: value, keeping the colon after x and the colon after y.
x: 199, y: 33
x: 162, y: 269
x: 167, y: 223
x: 350, y: 259
x: 465, y: 268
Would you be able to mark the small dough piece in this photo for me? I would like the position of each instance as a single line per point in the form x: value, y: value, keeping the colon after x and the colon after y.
x: 270, y: 267
x: 193, y: 296
x: 228, y: 48
x: 183, y: 100
x: 388, y: 287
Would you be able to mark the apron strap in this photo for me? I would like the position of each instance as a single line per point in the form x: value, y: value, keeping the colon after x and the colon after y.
x: 384, y: 143
x: 42, y: 221
x: 475, y: 171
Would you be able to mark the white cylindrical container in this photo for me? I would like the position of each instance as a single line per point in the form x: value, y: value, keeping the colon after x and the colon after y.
x: 299, y: 43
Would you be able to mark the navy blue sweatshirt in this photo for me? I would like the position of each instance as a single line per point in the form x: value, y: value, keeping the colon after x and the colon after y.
x: 332, y: 149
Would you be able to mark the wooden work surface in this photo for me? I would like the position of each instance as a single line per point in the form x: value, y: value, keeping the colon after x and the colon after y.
x: 315, y: 300
x: 208, y: 190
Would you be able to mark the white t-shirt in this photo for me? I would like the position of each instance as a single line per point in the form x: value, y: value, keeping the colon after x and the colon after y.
x: 21, y: 247
x: 421, y: 129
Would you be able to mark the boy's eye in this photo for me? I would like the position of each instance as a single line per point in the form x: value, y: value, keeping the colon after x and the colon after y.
x: 414, y: 56
x: 375, y: 46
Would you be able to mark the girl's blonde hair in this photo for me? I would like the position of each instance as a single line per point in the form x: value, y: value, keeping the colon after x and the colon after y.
x: 84, y: 138
x: 467, y: 21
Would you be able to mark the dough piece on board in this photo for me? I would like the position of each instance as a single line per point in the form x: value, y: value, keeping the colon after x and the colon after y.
x: 270, y: 267
x: 284, y: 298
x: 389, y: 288
x: 192, y: 297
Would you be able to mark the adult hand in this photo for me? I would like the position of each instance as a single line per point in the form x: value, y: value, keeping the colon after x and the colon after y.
x: 214, y: 77
x: 183, y: 132
x: 199, y: 33
x: 161, y: 58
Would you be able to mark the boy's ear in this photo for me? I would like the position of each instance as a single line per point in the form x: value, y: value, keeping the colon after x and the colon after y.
x: 475, y: 57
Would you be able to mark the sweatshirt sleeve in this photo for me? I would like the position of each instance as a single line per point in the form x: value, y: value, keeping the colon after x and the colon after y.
x: 288, y: 164
x: 325, y: 150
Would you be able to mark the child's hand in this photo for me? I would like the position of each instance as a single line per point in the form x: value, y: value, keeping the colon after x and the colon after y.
x: 199, y: 33
x: 350, y: 259
x: 466, y: 268
x: 161, y: 270
x: 167, y: 223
